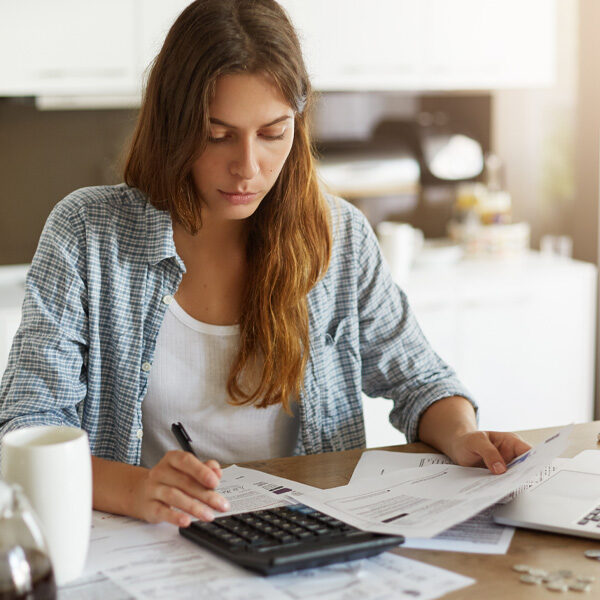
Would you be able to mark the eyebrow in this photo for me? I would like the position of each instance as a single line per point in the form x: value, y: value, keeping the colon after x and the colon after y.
x: 274, y: 122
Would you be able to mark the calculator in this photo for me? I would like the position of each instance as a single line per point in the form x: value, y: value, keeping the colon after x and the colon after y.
x: 286, y: 538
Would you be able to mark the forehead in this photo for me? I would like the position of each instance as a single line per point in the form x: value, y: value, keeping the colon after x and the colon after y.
x: 247, y: 100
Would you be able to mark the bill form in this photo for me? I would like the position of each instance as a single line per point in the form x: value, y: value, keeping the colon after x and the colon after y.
x: 480, y: 534
x: 143, y: 561
x: 423, y: 501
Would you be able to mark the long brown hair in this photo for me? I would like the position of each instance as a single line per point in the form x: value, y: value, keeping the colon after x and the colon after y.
x: 289, y: 237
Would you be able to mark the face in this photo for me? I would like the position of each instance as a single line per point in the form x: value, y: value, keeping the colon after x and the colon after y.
x: 250, y: 137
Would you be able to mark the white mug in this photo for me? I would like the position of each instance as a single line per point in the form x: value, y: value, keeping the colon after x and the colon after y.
x: 400, y: 243
x: 53, y: 466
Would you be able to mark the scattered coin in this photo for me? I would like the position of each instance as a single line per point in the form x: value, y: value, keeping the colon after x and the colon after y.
x: 555, y: 580
x: 565, y: 573
x: 595, y: 553
x: 530, y: 579
x: 580, y: 586
x: 557, y: 586
x: 521, y: 568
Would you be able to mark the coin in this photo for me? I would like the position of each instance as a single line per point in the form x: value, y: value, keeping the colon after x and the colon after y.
x: 580, y: 586
x: 522, y: 568
x: 538, y: 572
x: 594, y: 553
x: 557, y: 586
x: 530, y: 579
x: 565, y: 573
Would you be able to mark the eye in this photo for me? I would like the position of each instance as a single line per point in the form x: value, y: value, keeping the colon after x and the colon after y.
x: 273, y: 135
x: 217, y: 138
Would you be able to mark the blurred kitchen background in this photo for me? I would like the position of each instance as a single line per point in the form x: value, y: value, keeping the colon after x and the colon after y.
x: 472, y: 126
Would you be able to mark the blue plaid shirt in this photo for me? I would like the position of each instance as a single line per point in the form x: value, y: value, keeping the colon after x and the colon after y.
x: 96, y: 295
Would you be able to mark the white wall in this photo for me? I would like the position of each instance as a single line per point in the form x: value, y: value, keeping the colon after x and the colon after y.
x: 534, y: 132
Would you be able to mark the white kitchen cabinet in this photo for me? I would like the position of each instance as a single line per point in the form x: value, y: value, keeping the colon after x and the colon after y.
x: 519, y: 332
x: 483, y: 44
x: 426, y: 44
x: 68, y: 47
x: 65, y: 51
x: 352, y: 44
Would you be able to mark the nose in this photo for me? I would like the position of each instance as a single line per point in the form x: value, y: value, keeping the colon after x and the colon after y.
x: 245, y: 162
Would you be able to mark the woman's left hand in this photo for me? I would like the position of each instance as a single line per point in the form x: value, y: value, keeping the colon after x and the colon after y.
x: 494, y: 449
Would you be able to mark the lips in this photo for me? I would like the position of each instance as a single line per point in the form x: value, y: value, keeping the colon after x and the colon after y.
x: 238, y: 197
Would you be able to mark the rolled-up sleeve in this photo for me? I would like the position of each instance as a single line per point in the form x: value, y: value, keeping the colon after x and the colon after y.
x: 397, y: 361
x: 45, y: 378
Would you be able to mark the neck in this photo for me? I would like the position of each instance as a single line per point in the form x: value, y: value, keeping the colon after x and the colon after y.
x: 224, y: 236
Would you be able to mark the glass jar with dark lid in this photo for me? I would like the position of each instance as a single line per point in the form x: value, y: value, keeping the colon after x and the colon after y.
x: 25, y: 568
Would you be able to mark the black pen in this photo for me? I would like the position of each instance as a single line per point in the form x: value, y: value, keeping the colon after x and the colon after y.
x: 182, y: 437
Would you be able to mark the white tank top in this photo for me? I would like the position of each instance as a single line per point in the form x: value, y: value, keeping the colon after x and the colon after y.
x: 188, y: 383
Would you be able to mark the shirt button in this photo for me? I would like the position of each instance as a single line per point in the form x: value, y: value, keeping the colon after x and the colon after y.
x: 146, y: 367
x: 167, y: 299
x: 139, y: 434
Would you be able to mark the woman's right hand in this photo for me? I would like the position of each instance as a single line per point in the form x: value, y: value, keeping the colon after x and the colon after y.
x: 180, y: 482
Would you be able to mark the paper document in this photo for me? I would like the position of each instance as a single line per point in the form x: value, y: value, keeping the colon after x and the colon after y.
x: 383, y: 577
x: 115, y: 538
x: 178, y: 568
x: 424, y: 501
x: 381, y: 462
x: 170, y: 566
x: 479, y: 534
x: 153, y: 561
x: 248, y: 489
x: 94, y: 587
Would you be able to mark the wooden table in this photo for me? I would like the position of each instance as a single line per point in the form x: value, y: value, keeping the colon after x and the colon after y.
x: 495, y: 578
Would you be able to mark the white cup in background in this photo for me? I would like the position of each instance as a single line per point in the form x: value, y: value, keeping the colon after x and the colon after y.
x: 556, y: 245
x: 53, y: 466
x: 400, y: 243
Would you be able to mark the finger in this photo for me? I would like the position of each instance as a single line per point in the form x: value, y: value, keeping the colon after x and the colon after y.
x: 510, y: 445
x: 489, y: 454
x: 160, y: 513
x: 514, y: 450
x: 175, y: 498
x: 215, y: 466
x: 192, y: 466
x: 189, y: 486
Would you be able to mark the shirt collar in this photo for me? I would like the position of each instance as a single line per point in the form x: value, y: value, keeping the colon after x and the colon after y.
x: 159, y: 229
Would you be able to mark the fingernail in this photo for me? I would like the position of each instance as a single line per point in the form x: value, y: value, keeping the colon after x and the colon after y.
x: 184, y: 522
x: 207, y: 515
x: 225, y: 506
x: 498, y: 468
x: 211, y: 481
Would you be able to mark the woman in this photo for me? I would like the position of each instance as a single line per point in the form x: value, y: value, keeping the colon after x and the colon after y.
x: 219, y: 287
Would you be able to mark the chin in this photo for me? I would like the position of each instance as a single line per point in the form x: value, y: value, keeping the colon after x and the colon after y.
x: 236, y: 213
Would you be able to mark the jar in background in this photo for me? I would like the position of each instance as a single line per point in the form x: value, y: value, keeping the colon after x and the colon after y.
x: 25, y: 569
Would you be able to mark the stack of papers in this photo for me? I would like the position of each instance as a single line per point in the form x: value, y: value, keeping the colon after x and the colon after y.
x: 131, y: 559
x: 418, y: 502
x: 418, y: 496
